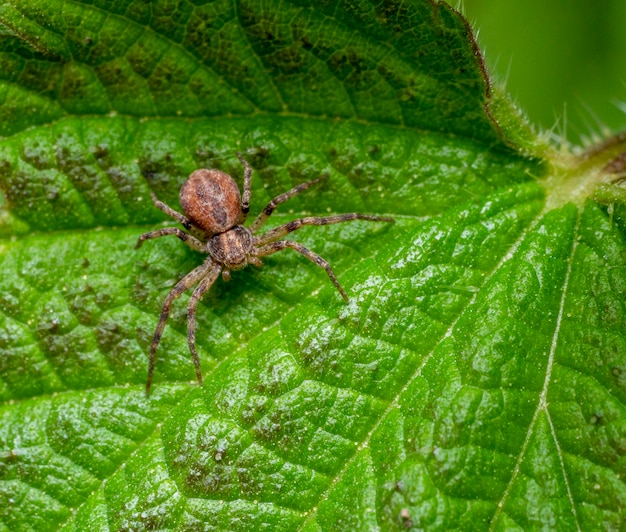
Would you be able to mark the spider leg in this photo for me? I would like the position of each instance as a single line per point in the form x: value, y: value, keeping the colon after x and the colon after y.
x: 282, y: 198
x: 185, y: 283
x: 183, y: 220
x: 200, y: 290
x: 191, y: 241
x: 255, y: 261
x: 282, y: 230
x: 274, y: 247
x: 247, y: 184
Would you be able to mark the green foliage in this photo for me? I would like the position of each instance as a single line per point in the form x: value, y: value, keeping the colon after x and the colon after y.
x: 569, y: 73
x: 476, y: 378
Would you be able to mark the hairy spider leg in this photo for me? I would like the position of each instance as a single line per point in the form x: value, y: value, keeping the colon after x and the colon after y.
x: 281, y: 198
x: 180, y: 218
x: 275, y: 247
x: 183, y: 220
x: 191, y: 241
x: 294, y: 225
x: 247, y: 186
x: 184, y: 284
x: 197, y: 294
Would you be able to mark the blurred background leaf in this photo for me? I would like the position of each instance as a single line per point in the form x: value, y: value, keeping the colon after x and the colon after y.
x: 558, y: 58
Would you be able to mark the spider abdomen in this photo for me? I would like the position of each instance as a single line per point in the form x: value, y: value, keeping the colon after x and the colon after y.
x: 211, y: 200
x: 232, y: 247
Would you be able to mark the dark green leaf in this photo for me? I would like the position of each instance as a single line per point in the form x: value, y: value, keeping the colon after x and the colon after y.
x: 474, y: 380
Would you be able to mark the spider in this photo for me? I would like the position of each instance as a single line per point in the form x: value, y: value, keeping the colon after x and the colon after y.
x: 214, y: 216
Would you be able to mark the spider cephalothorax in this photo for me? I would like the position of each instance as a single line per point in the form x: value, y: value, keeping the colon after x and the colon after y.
x: 214, y: 216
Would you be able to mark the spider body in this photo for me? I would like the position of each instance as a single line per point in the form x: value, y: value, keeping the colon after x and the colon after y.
x: 211, y: 201
x: 214, y: 214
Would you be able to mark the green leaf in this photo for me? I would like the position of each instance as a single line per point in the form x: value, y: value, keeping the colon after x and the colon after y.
x: 475, y: 380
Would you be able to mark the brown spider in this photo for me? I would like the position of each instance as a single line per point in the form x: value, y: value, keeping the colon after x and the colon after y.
x: 214, y: 216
